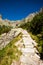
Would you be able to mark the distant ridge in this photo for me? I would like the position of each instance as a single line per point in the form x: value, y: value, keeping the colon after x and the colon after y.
x: 18, y: 22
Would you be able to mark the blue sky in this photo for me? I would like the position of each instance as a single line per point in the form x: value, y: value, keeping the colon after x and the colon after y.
x: 18, y: 9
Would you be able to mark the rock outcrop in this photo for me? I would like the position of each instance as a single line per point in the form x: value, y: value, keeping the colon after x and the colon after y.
x: 6, y: 38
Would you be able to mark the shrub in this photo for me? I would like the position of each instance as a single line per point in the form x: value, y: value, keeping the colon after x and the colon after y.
x: 36, y: 25
x: 4, y: 29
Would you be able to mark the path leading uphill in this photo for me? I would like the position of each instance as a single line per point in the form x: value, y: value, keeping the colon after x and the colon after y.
x: 29, y: 57
x: 27, y: 47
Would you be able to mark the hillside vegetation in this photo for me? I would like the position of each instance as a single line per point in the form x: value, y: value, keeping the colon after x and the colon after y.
x: 4, y: 29
x: 10, y: 52
x: 35, y: 27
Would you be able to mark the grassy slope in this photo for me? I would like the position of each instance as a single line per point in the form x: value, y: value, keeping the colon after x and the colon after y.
x: 39, y: 45
x: 10, y: 52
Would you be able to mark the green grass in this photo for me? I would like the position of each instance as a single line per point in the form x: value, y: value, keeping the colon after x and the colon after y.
x: 10, y: 52
x: 0, y: 35
x: 34, y: 37
x: 39, y: 45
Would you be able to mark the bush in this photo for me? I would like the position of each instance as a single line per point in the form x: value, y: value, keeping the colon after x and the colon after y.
x: 4, y: 29
x: 25, y: 26
x: 36, y: 25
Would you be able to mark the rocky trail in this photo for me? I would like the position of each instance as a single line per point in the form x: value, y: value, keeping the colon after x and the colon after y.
x: 6, y: 38
x: 27, y: 46
x: 29, y: 57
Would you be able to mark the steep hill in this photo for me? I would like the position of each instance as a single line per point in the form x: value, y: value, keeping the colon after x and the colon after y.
x: 22, y: 44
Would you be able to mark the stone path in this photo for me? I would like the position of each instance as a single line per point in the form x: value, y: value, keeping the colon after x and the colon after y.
x: 29, y: 57
x: 26, y: 45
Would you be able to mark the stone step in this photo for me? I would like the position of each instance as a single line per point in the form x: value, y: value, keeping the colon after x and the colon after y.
x: 29, y: 46
x: 31, y: 50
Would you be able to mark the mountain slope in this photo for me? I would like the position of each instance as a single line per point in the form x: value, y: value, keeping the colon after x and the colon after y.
x: 23, y: 45
x: 35, y: 27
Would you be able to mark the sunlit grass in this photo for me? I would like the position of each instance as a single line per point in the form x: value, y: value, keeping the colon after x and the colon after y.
x: 39, y: 42
x: 34, y: 37
x: 10, y: 52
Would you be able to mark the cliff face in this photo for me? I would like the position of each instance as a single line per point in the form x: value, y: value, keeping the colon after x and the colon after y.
x: 7, y: 22
x: 41, y: 10
x: 30, y: 17
x: 4, y: 22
